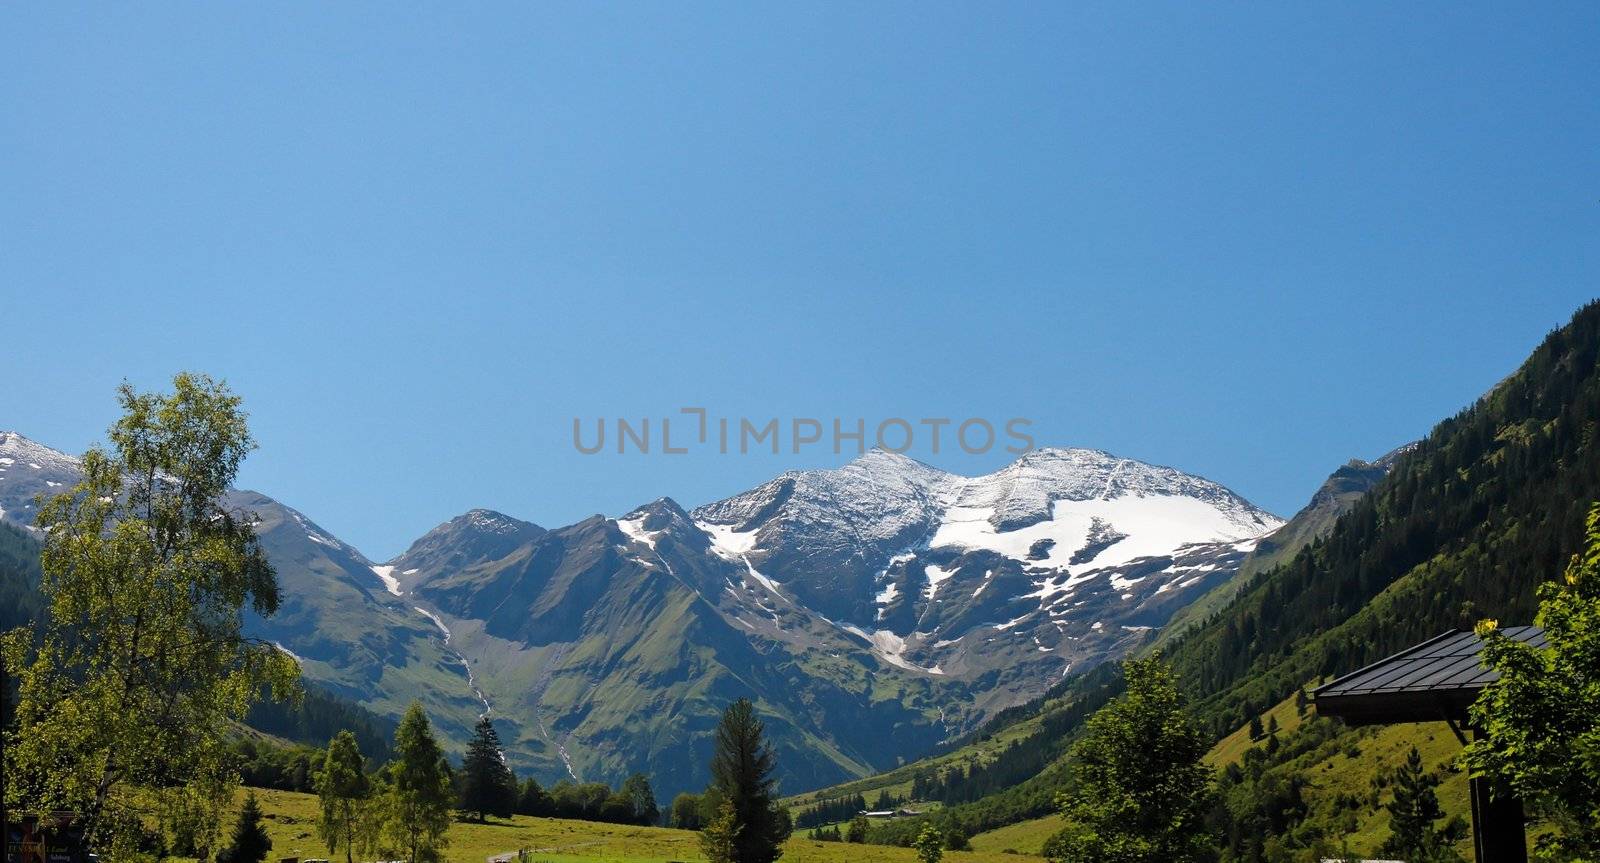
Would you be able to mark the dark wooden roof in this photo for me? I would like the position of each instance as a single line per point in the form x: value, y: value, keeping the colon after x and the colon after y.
x: 1435, y: 680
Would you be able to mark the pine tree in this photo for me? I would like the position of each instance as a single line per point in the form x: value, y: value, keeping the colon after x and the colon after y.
x: 342, y: 788
x: 420, y: 795
x: 1256, y: 733
x: 488, y: 786
x: 741, y: 772
x: 250, y: 843
x: 1412, y: 814
x: 1142, y: 792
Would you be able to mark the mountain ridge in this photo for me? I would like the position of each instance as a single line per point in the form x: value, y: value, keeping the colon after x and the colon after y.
x: 884, y: 593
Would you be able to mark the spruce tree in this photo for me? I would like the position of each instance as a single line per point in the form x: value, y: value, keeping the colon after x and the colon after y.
x: 1412, y: 814
x: 488, y: 786
x: 420, y: 795
x: 342, y: 789
x: 250, y: 843
x: 741, y: 773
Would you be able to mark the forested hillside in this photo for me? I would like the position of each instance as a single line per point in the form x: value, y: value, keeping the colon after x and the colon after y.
x: 1465, y: 525
x: 19, y: 577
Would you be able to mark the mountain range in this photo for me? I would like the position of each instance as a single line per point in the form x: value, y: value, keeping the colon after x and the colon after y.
x: 872, y: 611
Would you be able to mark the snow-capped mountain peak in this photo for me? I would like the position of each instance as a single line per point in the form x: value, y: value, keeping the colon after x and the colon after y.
x: 29, y: 468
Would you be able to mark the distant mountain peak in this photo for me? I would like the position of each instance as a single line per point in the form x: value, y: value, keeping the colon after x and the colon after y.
x: 491, y: 521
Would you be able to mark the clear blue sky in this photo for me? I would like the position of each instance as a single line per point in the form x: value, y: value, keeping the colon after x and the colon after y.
x: 1248, y: 241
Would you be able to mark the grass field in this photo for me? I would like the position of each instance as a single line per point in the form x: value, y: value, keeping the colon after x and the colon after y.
x: 291, y: 822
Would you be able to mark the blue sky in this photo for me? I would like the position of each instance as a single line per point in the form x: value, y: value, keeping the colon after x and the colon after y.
x: 1248, y: 241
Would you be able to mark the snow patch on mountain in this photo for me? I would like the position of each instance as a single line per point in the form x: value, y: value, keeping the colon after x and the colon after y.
x: 727, y: 540
x: 890, y: 648
x: 1153, y: 525
x: 385, y: 574
x: 633, y: 528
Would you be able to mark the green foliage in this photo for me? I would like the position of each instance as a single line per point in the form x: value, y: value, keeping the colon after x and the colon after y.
x: 419, y: 795
x: 342, y: 789
x: 1465, y: 525
x: 488, y: 786
x: 263, y: 763
x: 1412, y: 813
x: 930, y: 844
x: 317, y: 717
x: 1540, y: 726
x: 830, y: 810
x: 20, y: 601
x: 719, y: 838
x: 859, y: 827
x: 640, y: 800
x: 1141, y: 793
x: 142, y: 663
x: 532, y: 799
x: 685, y: 812
x: 250, y: 843
x: 742, y: 774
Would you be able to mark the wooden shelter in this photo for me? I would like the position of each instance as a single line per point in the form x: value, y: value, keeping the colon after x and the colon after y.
x: 1435, y: 681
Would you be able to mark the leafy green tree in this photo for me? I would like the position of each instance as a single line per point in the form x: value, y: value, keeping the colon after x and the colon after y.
x: 142, y: 665
x: 641, y: 799
x: 930, y: 844
x: 1540, y: 729
x: 1141, y: 793
x: 420, y: 796
x: 741, y: 771
x: 342, y: 790
x: 250, y: 842
x: 532, y: 799
x: 1412, y: 814
x: 686, y: 812
x: 488, y: 785
x: 859, y: 827
x: 719, y: 838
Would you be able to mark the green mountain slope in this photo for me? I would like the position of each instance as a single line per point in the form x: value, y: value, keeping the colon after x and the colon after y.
x: 1469, y: 521
x: 1464, y: 526
x: 1339, y: 492
x: 20, y: 601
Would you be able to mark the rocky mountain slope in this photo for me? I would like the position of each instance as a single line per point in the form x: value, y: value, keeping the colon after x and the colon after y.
x: 871, y: 610
x: 349, y: 633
